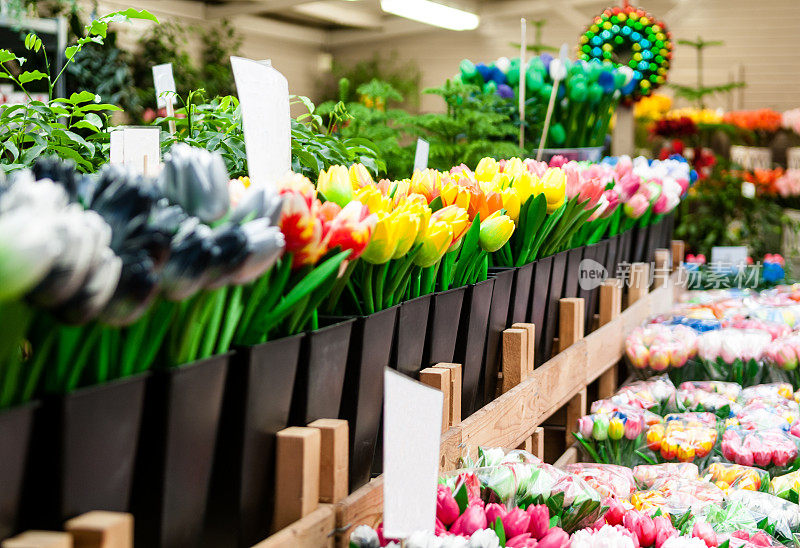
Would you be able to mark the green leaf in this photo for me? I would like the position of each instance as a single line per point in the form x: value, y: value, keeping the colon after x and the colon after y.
x: 98, y: 27
x: 31, y: 76
x: 123, y: 16
x: 461, y: 498
x: 70, y: 52
x: 82, y: 97
x: 6, y: 55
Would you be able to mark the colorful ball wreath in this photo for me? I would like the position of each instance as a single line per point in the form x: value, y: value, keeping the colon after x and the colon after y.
x: 628, y: 36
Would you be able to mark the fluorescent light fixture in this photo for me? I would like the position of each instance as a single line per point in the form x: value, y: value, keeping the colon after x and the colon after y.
x: 432, y: 13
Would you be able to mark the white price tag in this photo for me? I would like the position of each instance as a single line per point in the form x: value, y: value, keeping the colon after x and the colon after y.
x: 164, y: 83
x: 138, y: 148
x: 264, y: 99
x: 728, y: 256
x: 412, y: 432
x: 421, y: 156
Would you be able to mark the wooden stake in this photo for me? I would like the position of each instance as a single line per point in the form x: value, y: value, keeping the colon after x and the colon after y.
x: 333, y: 459
x: 515, y: 363
x: 439, y: 378
x: 101, y: 529
x: 662, y: 267
x: 550, y: 106
x: 526, y: 445
x: 455, y: 391
x: 523, y: 46
x: 678, y: 253
x: 530, y: 347
x: 640, y: 280
x: 576, y: 408
x: 170, y: 114
x: 296, y: 474
x: 571, y: 322
x: 39, y: 539
x: 537, y: 441
x: 610, y: 300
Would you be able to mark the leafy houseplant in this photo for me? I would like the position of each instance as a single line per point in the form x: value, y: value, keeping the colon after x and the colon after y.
x: 57, y: 126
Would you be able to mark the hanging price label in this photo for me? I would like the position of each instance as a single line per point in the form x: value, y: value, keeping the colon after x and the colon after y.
x: 421, y: 156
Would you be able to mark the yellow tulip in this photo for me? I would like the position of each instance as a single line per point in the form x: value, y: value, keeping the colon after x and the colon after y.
x: 487, y: 169
x: 418, y: 206
x: 455, y: 194
x: 359, y: 176
x: 373, y: 199
x: 426, y: 182
x: 335, y: 185
x: 434, y: 245
x: 407, y: 226
x: 495, y: 231
x: 526, y: 185
x: 554, y: 188
x: 511, y: 203
x: 384, y: 240
x: 457, y: 218
x: 514, y: 167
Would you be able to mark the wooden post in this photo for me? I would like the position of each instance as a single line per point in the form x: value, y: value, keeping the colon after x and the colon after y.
x: 678, y: 253
x: 662, y: 267
x: 101, y: 529
x: 576, y: 408
x: 296, y: 474
x: 515, y: 363
x: 455, y: 391
x: 531, y: 343
x: 537, y: 440
x: 640, y: 280
x: 610, y: 300
x: 439, y: 378
x: 170, y: 114
x: 526, y: 445
x: 333, y: 459
x: 307, y: 532
x: 571, y: 322
x: 39, y: 539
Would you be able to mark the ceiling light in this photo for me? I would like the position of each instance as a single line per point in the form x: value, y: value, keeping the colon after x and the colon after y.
x: 432, y: 13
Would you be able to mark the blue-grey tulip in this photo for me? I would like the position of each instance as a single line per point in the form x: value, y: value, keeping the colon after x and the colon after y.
x: 197, y: 180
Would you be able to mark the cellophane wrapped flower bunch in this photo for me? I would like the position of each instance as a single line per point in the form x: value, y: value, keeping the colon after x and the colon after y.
x: 677, y: 496
x: 682, y: 437
x: 657, y: 348
x: 610, y: 480
x: 736, y: 476
x: 783, y: 356
x: 615, y: 437
x: 647, y: 475
x: 733, y: 355
x: 653, y: 394
x: 786, y: 486
x: 716, y: 397
x: 773, y: 450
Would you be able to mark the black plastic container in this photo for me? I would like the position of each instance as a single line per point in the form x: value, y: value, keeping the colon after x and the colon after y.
x: 176, y: 451
x: 258, y: 397
x: 15, y: 431
x: 472, y: 341
x: 83, y: 452
x: 557, y: 277
x: 669, y: 229
x: 611, y: 256
x: 626, y: 246
x: 498, y: 322
x: 538, y: 306
x: 574, y: 258
x: 589, y: 292
x: 641, y: 240
x: 362, y: 401
x: 321, y: 370
x: 410, y: 332
x: 443, y: 320
x: 521, y: 293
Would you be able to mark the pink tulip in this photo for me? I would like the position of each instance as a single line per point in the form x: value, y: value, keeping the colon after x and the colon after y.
x: 628, y: 185
x: 555, y: 538
x: 642, y: 526
x: 558, y: 161
x: 633, y: 426
x: 616, y: 512
x: 636, y: 206
x: 664, y: 530
x: 781, y: 456
x: 494, y: 511
x: 585, y: 424
x: 440, y: 528
x: 523, y: 540
x: 516, y: 522
x: 446, y: 506
x: 705, y: 532
x: 473, y: 519
x: 760, y: 538
x: 539, y: 523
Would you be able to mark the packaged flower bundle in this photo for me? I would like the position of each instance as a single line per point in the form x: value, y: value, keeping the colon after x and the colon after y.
x: 495, y: 456
x: 652, y: 394
x: 644, y: 529
x: 733, y: 355
x: 712, y: 396
x: 776, y: 330
x: 764, y: 415
x: 783, y: 355
x: 786, y: 487
x: 773, y: 450
x: 677, y: 496
x: 610, y: 480
x: 607, y: 536
x: 770, y: 393
x: 647, y: 475
x: 727, y: 476
x: 615, y: 437
x: 775, y: 515
x: 697, y: 324
x: 687, y: 437
x: 735, y: 524
x: 786, y: 314
x: 657, y: 348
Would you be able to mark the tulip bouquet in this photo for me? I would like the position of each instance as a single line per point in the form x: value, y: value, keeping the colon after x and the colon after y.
x: 653, y: 394
x: 647, y: 475
x: 713, y: 396
x: 676, y: 497
x: 658, y: 347
x: 733, y: 355
x: 786, y: 487
x: 776, y: 516
x: 610, y: 480
x: 685, y: 437
x: 758, y: 415
x: 771, y: 394
x: 735, y: 476
x: 775, y: 329
x: 615, y: 437
x: 773, y: 450
x: 587, y: 95
x: 782, y: 355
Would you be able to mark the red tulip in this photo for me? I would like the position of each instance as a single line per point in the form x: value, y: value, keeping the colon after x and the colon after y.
x: 615, y: 511
x: 555, y: 538
x: 705, y: 532
x: 760, y: 539
x: 473, y: 519
x: 522, y: 541
x: 664, y: 530
x: 539, y: 524
x: 642, y: 526
x: 446, y: 506
x: 494, y: 511
x: 516, y: 522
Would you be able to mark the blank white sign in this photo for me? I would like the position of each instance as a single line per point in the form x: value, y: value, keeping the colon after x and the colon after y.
x: 421, y: 156
x: 164, y: 83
